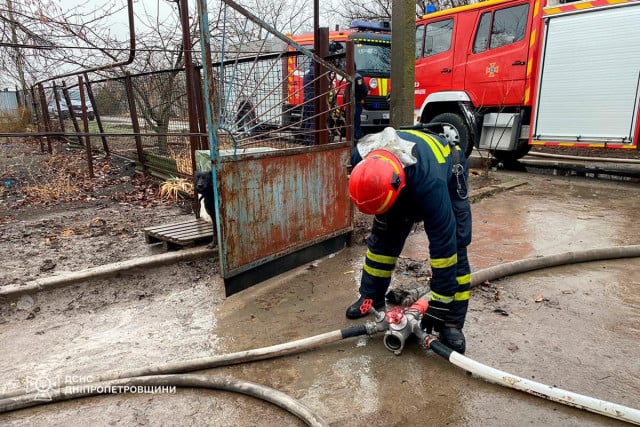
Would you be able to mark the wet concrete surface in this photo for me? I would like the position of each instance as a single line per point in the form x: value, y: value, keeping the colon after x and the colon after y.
x: 576, y: 327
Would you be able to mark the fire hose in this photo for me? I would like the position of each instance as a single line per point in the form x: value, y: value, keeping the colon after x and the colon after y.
x: 211, y: 382
x: 403, y: 322
x: 398, y: 323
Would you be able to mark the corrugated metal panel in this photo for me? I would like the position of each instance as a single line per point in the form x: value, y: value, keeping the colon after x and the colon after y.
x: 590, y: 76
x: 275, y: 203
x: 8, y: 101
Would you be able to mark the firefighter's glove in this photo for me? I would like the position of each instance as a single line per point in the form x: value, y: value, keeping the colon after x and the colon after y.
x: 434, y: 317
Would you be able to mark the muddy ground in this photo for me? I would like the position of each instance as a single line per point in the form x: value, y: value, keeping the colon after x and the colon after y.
x: 574, y: 327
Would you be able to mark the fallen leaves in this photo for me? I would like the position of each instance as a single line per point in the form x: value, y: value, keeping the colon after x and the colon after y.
x: 67, y: 233
x: 540, y: 298
x: 488, y: 287
x: 50, y: 180
x: 98, y: 222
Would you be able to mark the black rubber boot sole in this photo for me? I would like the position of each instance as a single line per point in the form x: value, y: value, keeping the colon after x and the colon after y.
x: 357, y: 309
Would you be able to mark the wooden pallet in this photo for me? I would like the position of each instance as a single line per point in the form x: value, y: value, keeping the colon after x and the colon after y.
x: 180, y: 234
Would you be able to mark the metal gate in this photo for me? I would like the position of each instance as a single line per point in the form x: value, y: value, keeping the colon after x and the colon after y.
x: 280, y: 185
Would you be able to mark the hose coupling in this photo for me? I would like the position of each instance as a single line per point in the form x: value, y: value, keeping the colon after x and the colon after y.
x: 374, y: 328
x: 425, y: 339
x: 401, y: 324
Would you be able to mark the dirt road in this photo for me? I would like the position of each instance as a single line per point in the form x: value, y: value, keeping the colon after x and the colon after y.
x: 574, y: 327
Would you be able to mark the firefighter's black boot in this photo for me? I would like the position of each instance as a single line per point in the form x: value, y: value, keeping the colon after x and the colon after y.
x: 360, y: 308
x: 453, y: 338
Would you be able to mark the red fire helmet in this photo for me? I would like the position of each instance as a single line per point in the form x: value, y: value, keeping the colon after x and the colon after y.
x: 376, y: 181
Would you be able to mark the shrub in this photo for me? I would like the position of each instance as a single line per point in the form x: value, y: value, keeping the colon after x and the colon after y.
x: 15, y: 121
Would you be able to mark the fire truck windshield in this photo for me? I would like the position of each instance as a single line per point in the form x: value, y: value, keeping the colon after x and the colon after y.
x: 373, y: 60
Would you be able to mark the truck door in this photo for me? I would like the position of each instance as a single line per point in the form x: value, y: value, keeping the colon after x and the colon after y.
x: 434, y: 58
x: 497, y: 58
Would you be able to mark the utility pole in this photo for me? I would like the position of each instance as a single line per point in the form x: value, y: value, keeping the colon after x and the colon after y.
x: 403, y: 31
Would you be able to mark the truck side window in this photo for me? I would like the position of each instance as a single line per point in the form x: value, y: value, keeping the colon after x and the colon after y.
x: 508, y: 26
x: 482, y: 35
x: 419, y: 41
x: 438, y: 37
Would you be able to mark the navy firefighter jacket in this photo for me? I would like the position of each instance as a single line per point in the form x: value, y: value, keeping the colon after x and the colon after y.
x: 435, y: 195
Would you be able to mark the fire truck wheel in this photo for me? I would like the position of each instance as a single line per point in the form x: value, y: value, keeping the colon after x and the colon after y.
x: 454, y: 129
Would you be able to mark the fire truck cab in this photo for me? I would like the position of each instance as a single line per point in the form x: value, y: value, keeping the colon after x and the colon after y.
x: 486, y: 71
x: 372, y: 57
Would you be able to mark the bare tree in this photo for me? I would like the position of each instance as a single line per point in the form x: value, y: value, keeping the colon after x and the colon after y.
x: 285, y: 16
x: 17, y: 58
x: 159, y: 54
x: 44, y: 40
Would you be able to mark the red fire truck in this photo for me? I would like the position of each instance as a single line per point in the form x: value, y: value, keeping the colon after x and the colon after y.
x: 504, y: 75
x: 372, y: 56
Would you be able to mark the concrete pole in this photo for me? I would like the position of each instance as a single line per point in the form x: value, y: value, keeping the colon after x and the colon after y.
x: 403, y: 26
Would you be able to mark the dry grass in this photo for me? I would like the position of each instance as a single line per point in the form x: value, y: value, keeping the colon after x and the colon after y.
x: 14, y: 122
x: 56, y: 179
x: 176, y: 188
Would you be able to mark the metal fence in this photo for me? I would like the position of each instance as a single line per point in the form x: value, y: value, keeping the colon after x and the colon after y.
x: 270, y: 119
x: 264, y: 96
x: 269, y: 94
x: 144, y: 118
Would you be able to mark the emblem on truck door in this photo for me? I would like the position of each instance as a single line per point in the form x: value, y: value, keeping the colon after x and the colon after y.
x: 492, y: 69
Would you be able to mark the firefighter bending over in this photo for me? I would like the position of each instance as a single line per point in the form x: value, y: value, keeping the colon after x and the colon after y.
x: 409, y: 176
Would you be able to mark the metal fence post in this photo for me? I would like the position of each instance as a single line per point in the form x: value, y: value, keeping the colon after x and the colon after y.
x: 192, y: 107
x: 45, y: 114
x: 96, y: 114
x: 202, y: 117
x: 56, y: 99
x: 321, y: 86
x: 85, y: 123
x: 134, y: 120
x: 67, y: 99
x: 350, y: 95
x: 34, y: 106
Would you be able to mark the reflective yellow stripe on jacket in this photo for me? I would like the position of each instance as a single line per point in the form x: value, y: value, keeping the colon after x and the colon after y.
x: 439, y: 150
